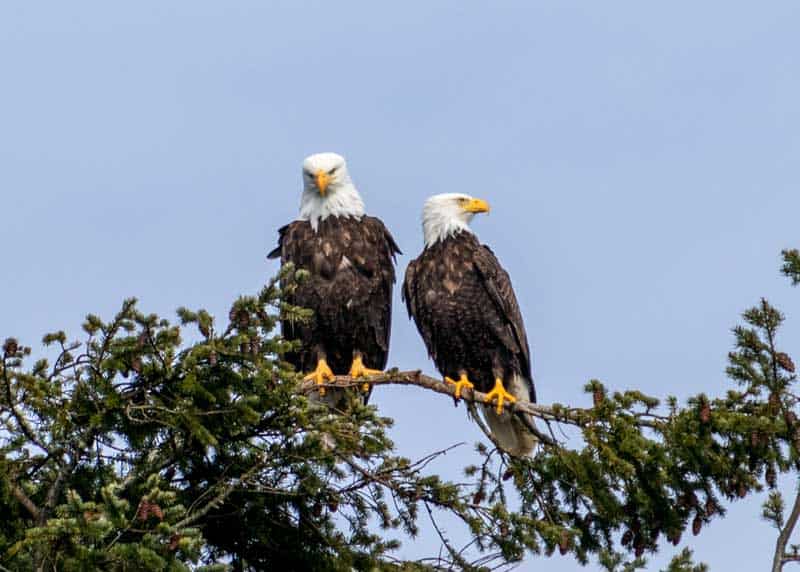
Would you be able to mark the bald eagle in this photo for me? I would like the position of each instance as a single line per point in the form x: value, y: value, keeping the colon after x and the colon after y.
x: 350, y: 258
x: 464, y: 306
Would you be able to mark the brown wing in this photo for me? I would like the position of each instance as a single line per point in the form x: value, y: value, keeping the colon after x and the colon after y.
x: 410, y: 295
x: 289, y: 237
x: 374, y: 257
x: 498, y: 286
x: 346, y: 258
x: 295, y: 244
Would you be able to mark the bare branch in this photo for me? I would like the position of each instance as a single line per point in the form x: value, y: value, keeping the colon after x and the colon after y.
x: 25, y: 501
x: 781, y: 557
x: 570, y: 415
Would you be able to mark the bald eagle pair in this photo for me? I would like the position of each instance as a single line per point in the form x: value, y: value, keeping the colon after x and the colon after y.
x: 459, y: 296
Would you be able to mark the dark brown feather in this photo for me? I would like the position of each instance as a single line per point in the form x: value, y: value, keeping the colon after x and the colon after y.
x: 351, y: 267
x: 464, y: 306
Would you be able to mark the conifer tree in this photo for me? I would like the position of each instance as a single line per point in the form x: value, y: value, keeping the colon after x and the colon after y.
x: 136, y: 450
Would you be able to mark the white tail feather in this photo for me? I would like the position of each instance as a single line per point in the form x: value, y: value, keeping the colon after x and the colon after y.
x: 510, y: 432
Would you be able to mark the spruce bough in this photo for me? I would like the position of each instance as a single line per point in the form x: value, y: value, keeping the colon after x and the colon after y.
x: 133, y: 450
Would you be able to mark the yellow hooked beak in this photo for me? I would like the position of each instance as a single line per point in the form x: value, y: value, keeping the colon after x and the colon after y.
x: 323, y: 180
x: 476, y: 206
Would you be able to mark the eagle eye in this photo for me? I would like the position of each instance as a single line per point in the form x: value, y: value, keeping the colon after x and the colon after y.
x: 332, y: 171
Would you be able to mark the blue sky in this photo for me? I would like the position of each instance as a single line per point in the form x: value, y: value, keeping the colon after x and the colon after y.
x: 641, y: 161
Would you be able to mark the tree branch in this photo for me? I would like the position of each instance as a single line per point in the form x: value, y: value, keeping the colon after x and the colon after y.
x: 571, y: 415
x: 781, y: 557
x: 23, y: 424
x: 25, y: 501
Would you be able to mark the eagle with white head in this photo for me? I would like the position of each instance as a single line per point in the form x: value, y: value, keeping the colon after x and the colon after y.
x: 464, y: 306
x: 350, y: 260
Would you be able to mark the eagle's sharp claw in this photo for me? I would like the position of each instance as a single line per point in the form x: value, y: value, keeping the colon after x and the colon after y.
x: 358, y: 369
x: 320, y: 375
x: 460, y: 384
x: 499, y: 392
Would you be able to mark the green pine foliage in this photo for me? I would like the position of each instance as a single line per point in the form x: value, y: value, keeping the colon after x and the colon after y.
x: 132, y: 451
x: 135, y: 450
x: 791, y: 265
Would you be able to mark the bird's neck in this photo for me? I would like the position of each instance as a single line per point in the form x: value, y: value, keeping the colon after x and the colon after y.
x: 439, y: 228
x: 343, y: 202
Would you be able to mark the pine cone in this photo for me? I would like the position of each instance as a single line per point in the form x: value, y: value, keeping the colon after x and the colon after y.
x: 627, y: 538
x: 156, y: 511
x: 705, y: 412
x: 174, y: 540
x: 10, y: 347
x: 508, y: 474
x: 143, y: 512
x: 770, y: 476
x: 92, y: 515
x: 674, y: 537
x: 564, y: 544
x: 785, y: 362
x: 711, y: 506
x: 742, y: 490
x: 755, y: 438
x: 697, y: 525
x: 774, y: 403
x: 478, y: 498
x: 597, y: 396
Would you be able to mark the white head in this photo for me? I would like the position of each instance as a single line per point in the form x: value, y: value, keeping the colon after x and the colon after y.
x: 328, y: 190
x: 445, y: 215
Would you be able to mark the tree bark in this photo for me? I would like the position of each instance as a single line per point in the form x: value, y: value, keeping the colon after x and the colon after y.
x: 783, y: 538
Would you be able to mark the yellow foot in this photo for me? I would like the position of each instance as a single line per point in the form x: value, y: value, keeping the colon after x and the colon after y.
x: 462, y: 382
x: 320, y: 375
x: 499, y: 392
x: 358, y: 369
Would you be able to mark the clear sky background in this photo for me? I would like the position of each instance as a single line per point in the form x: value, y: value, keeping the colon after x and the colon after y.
x: 641, y: 160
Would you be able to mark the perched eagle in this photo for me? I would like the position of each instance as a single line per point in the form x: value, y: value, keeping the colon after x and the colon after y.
x: 464, y: 306
x: 350, y: 259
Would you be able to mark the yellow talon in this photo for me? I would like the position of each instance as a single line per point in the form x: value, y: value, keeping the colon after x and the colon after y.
x: 358, y: 369
x: 501, y: 394
x: 460, y: 384
x: 320, y: 375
